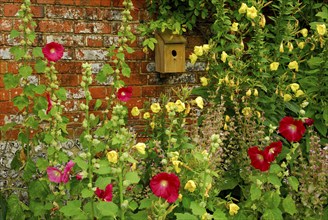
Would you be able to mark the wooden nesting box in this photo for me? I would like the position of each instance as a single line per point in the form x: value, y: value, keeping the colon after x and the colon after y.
x: 170, y: 53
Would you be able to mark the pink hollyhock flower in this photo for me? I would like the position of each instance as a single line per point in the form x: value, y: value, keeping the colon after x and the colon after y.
x: 107, y: 194
x: 258, y: 160
x: 57, y: 176
x: 166, y: 186
x: 54, y: 174
x: 124, y: 93
x: 291, y: 129
x: 53, y: 51
x: 271, y: 151
x: 308, y: 121
x: 49, y: 103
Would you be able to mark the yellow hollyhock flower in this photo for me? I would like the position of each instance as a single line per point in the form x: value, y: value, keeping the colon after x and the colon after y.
x: 243, y: 8
x: 294, y: 86
x: 224, y: 56
x: 180, y: 106
x: 155, y: 107
x: 193, y: 58
x: 262, y: 21
x: 304, y: 32
x: 251, y: 12
x: 200, y: 102
x: 206, y: 48
x: 274, y: 66
x: 321, y: 29
x: 293, y: 65
x: 176, y: 164
x: 299, y: 93
x: 146, y: 115
x: 256, y: 93
x: 301, y: 45
x: 170, y: 106
x: 135, y: 111
x: 198, y: 50
x: 249, y: 92
x: 140, y: 148
x: 112, y: 156
x: 234, y: 26
x: 190, y: 186
x: 246, y: 111
x: 287, y: 97
x: 204, y: 81
x: 233, y: 209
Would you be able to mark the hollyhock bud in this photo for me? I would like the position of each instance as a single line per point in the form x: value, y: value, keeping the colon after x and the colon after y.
x: 140, y: 148
x: 308, y: 121
x: 112, y: 156
x: 301, y: 45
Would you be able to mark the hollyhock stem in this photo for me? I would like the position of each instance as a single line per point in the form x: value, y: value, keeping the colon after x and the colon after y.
x: 120, y: 182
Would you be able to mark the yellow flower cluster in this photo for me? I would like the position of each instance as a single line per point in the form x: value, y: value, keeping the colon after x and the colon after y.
x: 198, y: 52
x: 174, y: 157
x: 250, y: 12
x: 295, y: 89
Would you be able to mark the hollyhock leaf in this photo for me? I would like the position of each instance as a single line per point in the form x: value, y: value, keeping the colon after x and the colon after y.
x: 37, y: 52
x: 31, y: 36
x: 126, y: 71
x: 73, y: 208
x: 11, y: 81
x: 38, y: 189
x: 132, y: 177
x: 185, y: 216
x: 42, y: 164
x: 272, y: 214
x: 255, y: 192
x: 107, y: 209
x: 289, y: 205
x: 102, y: 182
x: 61, y: 94
x: 293, y: 182
x: 15, y: 210
x: 97, y: 104
x: 40, y: 89
x: 219, y: 215
x: 321, y: 127
x: 145, y: 203
x: 271, y: 199
x: 87, y: 193
x: 40, y: 66
x: 274, y: 180
x: 14, y: 33
x: 275, y: 168
x: 25, y: 71
x: 197, y: 209
x: 18, y: 52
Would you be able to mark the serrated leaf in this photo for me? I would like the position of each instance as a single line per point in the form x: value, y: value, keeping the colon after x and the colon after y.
x: 126, y: 71
x: 31, y: 36
x: 145, y: 203
x: 42, y: 164
x: 275, y: 168
x: 38, y: 189
x: 87, y: 193
x: 11, y: 80
x: 37, y: 52
x: 289, y: 205
x: 107, y: 208
x: 15, y: 210
x: 14, y: 33
x: 61, y: 94
x: 73, y: 208
x: 293, y: 182
x: 185, y: 216
x: 97, y: 104
x: 272, y: 214
x: 102, y: 182
x: 25, y: 71
x: 274, y: 180
x: 40, y: 66
x: 81, y: 163
x: 321, y: 127
x: 197, y: 209
x: 40, y: 89
x: 18, y: 52
x: 132, y: 177
x: 219, y: 215
x: 255, y: 192
x: 129, y: 49
x: 29, y: 170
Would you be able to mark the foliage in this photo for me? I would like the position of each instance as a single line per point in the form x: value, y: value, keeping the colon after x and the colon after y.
x: 250, y: 143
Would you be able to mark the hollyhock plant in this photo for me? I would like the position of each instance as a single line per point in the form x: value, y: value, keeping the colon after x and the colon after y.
x: 107, y: 194
x: 124, y: 93
x: 57, y: 176
x: 271, y: 151
x: 258, y: 160
x: 291, y: 129
x: 53, y: 51
x: 49, y: 103
x: 166, y: 186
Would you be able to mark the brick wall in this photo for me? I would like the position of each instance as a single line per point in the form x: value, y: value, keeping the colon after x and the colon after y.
x: 86, y: 28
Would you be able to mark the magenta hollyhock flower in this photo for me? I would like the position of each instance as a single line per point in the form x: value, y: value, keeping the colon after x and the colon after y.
x: 166, y: 186
x: 54, y: 174
x: 53, y: 51
x: 271, y: 151
x: 57, y: 176
x: 258, y: 160
x: 291, y: 129
x: 107, y: 194
x: 49, y: 103
x: 124, y: 93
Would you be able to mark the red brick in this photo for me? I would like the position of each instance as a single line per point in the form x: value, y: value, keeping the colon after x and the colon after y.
x: 3, y: 67
x: 8, y: 108
x: 2, y: 84
x: 98, y: 92
x: 97, y: 14
x: 6, y: 25
x: 94, y: 41
x: 4, y: 95
x: 46, y: 1
x: 15, y: 92
x: 55, y: 26
x: 136, y: 55
x: 68, y: 80
x: 138, y: 102
x: 12, y: 9
x: 88, y: 2
x: 92, y: 27
x: 69, y: 67
x: 152, y: 91
x: 12, y: 67
x: 65, y: 12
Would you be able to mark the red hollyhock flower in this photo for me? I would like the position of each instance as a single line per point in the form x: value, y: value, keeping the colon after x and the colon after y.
x: 308, y: 121
x: 166, y: 186
x: 271, y: 151
x: 49, y: 103
x: 124, y: 93
x: 53, y: 51
x: 107, y: 194
x: 258, y: 160
x: 291, y: 129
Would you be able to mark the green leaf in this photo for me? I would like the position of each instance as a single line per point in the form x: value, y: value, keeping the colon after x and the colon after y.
x: 18, y: 52
x: 185, y: 216
x: 87, y: 193
x: 321, y: 127
x: 289, y: 205
x: 73, y: 208
x: 25, y: 71
x: 31, y: 36
x: 15, y: 210
x: 38, y: 189
x: 132, y: 177
x: 21, y: 102
x: 272, y: 214
x: 126, y: 71
x: 274, y: 180
x: 272, y: 199
x: 11, y: 81
x: 29, y: 170
x: 120, y: 56
x: 37, y: 52
x: 255, y: 192
x: 315, y: 62
x: 14, y: 33
x: 107, y: 208
x: 219, y: 215
x: 129, y: 49
x: 40, y: 89
x: 23, y: 138
x: 275, y: 168
x: 61, y: 94
x: 145, y: 203
x: 32, y: 123
x: 197, y: 209
x: 98, y: 104
x: 293, y: 182
x: 40, y: 66
x: 42, y: 164
x: 102, y: 182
